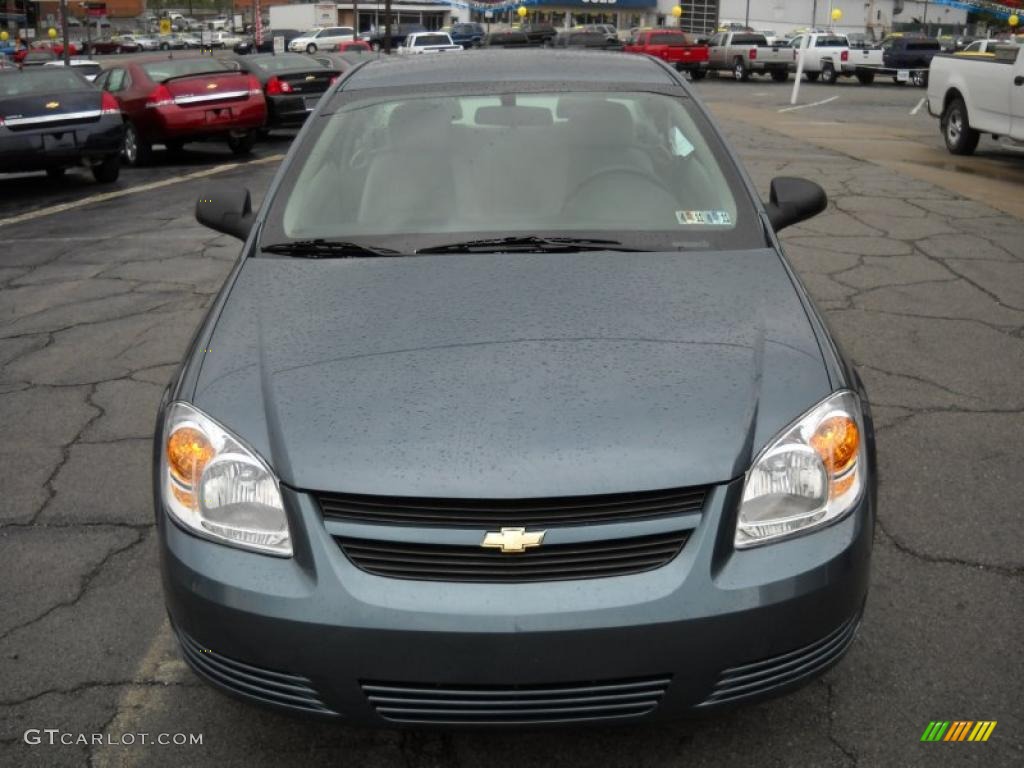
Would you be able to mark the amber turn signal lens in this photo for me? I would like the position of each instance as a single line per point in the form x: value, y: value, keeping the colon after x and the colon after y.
x: 188, y: 451
x: 836, y: 440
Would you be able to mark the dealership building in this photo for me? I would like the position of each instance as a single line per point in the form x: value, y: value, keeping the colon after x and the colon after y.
x: 781, y: 16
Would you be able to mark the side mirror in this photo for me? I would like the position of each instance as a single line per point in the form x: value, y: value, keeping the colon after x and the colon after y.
x: 794, y: 200
x: 226, y: 209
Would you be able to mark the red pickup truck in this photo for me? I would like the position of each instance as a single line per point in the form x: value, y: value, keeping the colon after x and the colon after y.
x: 672, y: 46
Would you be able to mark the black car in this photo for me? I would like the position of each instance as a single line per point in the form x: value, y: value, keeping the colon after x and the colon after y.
x: 54, y: 119
x: 586, y: 39
x: 292, y: 84
x: 248, y: 45
x: 906, y: 52
x: 377, y: 36
x: 512, y: 413
x: 506, y: 38
x: 539, y: 33
x: 468, y: 34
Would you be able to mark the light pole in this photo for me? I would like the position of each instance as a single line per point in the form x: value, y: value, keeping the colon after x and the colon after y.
x: 746, y: 19
x: 64, y: 32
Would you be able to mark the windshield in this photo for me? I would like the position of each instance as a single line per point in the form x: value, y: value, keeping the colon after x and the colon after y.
x: 636, y: 164
x: 41, y: 81
x: 159, y: 71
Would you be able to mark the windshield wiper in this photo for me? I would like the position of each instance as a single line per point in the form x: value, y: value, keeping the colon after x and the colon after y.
x: 529, y: 244
x: 327, y: 249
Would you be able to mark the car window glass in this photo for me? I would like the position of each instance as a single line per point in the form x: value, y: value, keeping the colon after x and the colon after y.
x: 625, y: 162
x: 280, y: 62
x: 432, y: 40
x: 115, y: 82
x: 159, y: 71
x: 41, y: 80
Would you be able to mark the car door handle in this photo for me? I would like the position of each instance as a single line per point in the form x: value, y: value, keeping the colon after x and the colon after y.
x: 1018, y: 80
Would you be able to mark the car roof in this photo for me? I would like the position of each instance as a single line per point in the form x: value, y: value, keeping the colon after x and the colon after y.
x: 542, y: 66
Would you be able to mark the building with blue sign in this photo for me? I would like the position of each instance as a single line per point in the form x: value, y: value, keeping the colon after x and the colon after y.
x: 875, y: 17
x: 566, y: 13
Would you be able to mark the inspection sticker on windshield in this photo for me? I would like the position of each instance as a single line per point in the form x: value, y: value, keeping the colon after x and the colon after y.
x: 713, y: 218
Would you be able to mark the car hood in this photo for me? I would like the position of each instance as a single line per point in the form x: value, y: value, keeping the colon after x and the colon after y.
x: 511, y: 375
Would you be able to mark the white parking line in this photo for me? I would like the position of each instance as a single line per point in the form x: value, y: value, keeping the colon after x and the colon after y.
x: 812, y: 104
x: 920, y: 104
x: 103, y: 197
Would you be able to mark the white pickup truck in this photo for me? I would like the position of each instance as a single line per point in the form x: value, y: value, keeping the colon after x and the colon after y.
x: 429, y: 42
x: 863, y: 63
x: 975, y: 95
x: 825, y: 56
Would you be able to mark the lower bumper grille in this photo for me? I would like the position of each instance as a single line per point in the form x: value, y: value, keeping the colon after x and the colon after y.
x: 749, y: 680
x: 255, y: 683
x: 559, y: 562
x: 514, y: 705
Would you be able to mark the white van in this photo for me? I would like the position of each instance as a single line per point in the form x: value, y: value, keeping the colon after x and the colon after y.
x: 321, y: 37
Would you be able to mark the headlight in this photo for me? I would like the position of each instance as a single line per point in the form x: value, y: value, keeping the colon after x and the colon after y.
x: 812, y: 474
x: 219, y: 488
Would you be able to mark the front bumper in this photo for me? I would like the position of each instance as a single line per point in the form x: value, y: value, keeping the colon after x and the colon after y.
x: 714, y: 627
x: 35, y: 150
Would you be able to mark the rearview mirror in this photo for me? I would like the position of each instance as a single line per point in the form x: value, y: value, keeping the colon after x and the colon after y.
x: 794, y: 200
x: 226, y: 209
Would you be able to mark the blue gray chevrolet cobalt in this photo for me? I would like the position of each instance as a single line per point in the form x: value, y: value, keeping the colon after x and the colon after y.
x: 512, y: 412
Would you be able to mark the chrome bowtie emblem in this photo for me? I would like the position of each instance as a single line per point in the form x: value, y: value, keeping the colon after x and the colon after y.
x: 513, y: 539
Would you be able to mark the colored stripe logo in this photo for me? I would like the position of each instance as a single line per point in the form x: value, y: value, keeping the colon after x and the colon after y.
x: 958, y: 730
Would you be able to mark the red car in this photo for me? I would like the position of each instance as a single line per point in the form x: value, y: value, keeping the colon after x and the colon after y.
x: 673, y: 47
x: 351, y: 45
x: 56, y: 47
x: 114, y: 45
x: 174, y: 101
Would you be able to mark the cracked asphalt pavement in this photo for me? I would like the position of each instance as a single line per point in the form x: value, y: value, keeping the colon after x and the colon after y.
x: 922, y: 286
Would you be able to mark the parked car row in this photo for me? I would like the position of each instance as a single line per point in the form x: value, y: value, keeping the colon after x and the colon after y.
x: 49, y: 123
x: 175, y: 101
x: 827, y: 56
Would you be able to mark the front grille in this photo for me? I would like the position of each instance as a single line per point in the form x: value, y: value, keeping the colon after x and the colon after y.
x: 255, y: 683
x: 516, y: 705
x: 476, y: 513
x: 555, y: 562
x: 749, y: 680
